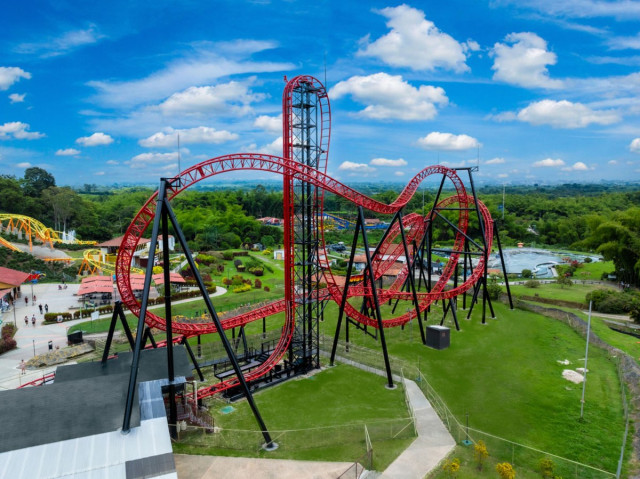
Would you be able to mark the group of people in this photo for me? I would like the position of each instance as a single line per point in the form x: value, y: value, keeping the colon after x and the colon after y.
x: 43, y: 309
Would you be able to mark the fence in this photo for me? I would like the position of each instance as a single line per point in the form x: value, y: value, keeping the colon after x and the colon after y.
x: 501, y: 449
x: 349, y: 435
x: 364, y: 462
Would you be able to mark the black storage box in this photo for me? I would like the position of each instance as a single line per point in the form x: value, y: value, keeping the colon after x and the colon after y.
x: 74, y: 338
x: 438, y: 337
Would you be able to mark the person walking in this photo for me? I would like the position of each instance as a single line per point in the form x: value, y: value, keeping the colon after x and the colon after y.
x: 33, y: 320
x: 26, y: 320
x: 23, y: 367
x: 46, y: 308
x: 40, y: 307
x: 26, y: 300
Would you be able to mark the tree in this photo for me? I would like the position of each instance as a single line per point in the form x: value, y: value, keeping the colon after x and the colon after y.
x: 480, y: 453
x: 63, y: 202
x: 526, y: 273
x: 506, y: 470
x: 36, y: 180
x: 564, y: 281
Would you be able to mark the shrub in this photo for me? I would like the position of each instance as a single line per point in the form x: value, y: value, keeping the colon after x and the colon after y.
x: 257, y: 284
x: 267, y: 289
x: 7, y: 343
x: 588, y: 259
x: 526, y: 273
x: 227, y: 255
x: 8, y: 330
x: 546, y: 467
x: 256, y: 271
x: 226, y: 281
x: 506, y: 470
x: 452, y: 467
x: 240, y: 253
x: 532, y: 283
x: 493, y: 288
x: 480, y: 453
x: 237, y: 280
x: 242, y: 289
x: 564, y: 281
x: 237, y: 262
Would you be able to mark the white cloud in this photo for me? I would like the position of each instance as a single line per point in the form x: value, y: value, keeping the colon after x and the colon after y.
x: 99, y: 173
x: 357, y: 168
x: 112, y: 162
x: 386, y: 162
x: 68, y: 152
x: 634, y: 146
x: 18, y: 131
x: 621, y: 9
x: 97, y: 139
x: 17, y: 98
x: 145, y: 160
x: 10, y: 75
x: 577, y: 166
x: 24, y: 165
x: 389, y: 97
x: 549, y: 163
x: 612, y: 162
x: 199, y: 68
x: 503, y: 175
x: 233, y: 97
x: 273, y: 148
x: 65, y: 43
x: 201, y: 134
x: 523, y: 61
x: 399, y: 173
x: 624, y: 43
x: 270, y: 124
x: 447, y: 141
x: 495, y: 161
x: 415, y: 42
x: 565, y: 114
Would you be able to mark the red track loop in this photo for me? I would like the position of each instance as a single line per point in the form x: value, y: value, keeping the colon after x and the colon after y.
x: 415, y: 227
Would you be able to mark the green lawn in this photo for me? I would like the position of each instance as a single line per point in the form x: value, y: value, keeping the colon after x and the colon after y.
x: 575, y: 293
x: 321, y: 417
x: 506, y: 375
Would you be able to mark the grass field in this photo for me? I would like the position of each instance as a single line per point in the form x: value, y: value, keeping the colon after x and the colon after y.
x: 321, y: 417
x: 506, y: 375
x: 576, y: 292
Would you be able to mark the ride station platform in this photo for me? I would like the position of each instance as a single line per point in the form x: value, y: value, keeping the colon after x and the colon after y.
x: 72, y: 427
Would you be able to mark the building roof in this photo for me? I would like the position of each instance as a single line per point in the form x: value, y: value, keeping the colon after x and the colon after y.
x: 95, y: 287
x: 173, y: 278
x: 97, y: 279
x: 117, y: 241
x: 11, y: 277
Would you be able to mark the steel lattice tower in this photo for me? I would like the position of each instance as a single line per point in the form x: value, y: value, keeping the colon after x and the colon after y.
x: 305, y: 200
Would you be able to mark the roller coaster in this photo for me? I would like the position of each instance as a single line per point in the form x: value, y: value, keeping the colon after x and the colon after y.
x: 309, y: 280
x: 34, y: 229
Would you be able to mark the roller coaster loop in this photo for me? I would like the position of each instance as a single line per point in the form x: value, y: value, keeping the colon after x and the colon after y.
x: 472, y: 235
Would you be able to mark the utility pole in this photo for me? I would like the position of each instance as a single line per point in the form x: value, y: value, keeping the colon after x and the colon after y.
x: 586, y: 356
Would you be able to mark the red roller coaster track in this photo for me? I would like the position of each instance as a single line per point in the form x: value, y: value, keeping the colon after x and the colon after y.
x: 414, y: 225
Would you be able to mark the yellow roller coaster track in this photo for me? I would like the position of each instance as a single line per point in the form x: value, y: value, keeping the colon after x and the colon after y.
x: 94, y: 263
x: 6, y: 244
x: 32, y: 228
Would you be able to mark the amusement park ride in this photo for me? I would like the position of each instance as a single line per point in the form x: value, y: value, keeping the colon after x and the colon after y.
x: 309, y: 280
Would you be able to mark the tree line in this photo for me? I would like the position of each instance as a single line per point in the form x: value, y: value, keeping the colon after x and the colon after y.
x: 594, y: 218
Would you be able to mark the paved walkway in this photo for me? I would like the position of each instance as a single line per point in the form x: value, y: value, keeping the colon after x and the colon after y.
x: 35, y: 340
x: 431, y: 446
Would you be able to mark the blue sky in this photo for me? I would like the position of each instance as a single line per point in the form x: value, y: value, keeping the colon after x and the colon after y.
x: 534, y: 91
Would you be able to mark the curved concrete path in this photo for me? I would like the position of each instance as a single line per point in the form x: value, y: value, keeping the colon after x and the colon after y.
x: 431, y: 446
